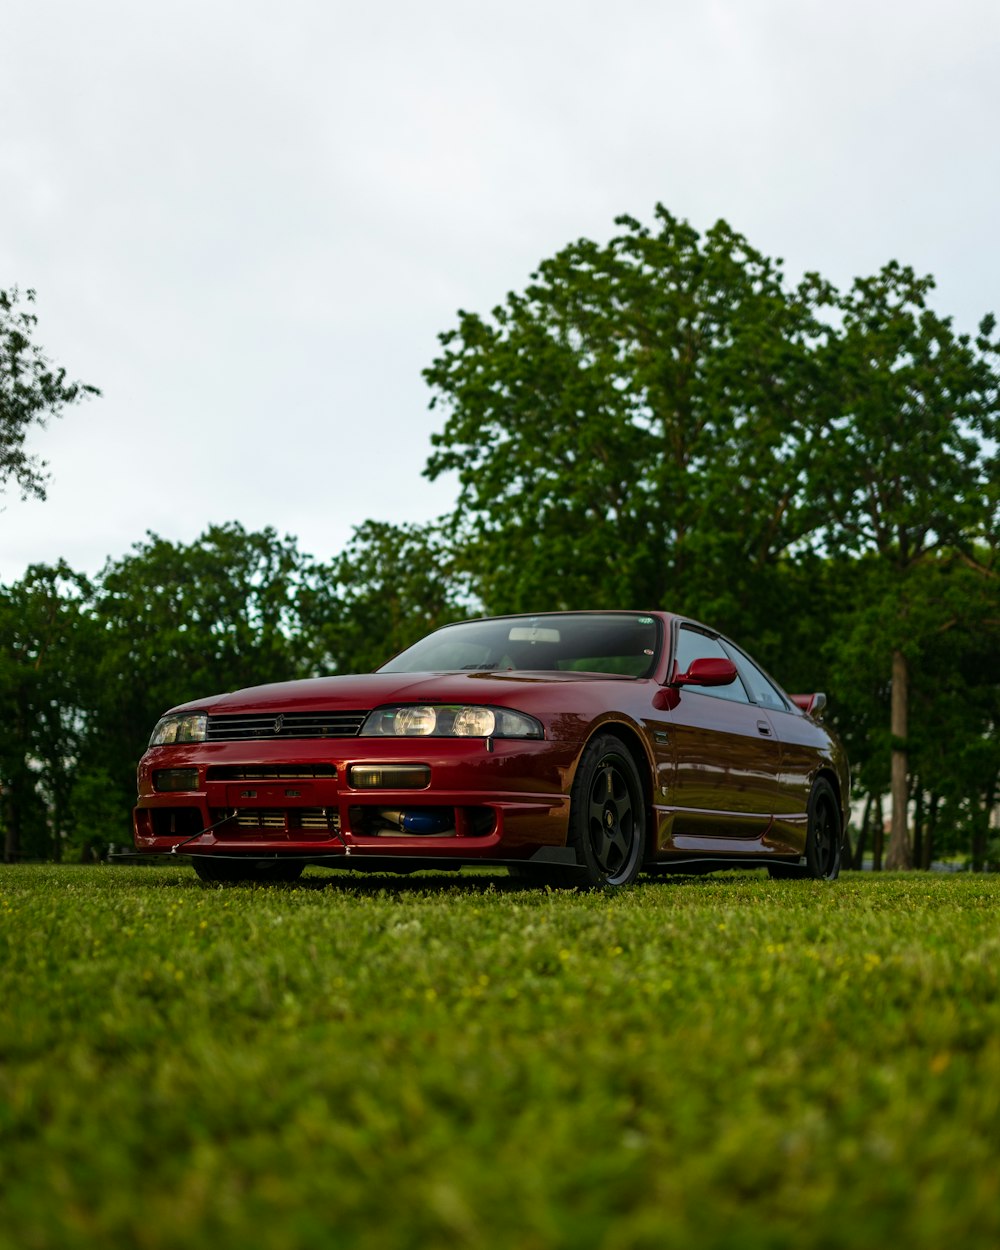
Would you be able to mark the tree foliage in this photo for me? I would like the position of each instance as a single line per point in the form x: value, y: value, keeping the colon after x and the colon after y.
x: 390, y: 586
x: 909, y: 427
x: 903, y: 472
x: 87, y: 669
x: 630, y: 429
x: 32, y: 389
x: 45, y: 687
x: 179, y: 622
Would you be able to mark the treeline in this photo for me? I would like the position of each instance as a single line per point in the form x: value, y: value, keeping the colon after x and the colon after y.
x: 87, y: 667
x: 661, y: 420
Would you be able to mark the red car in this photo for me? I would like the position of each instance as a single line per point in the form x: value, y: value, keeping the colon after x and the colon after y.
x: 572, y: 747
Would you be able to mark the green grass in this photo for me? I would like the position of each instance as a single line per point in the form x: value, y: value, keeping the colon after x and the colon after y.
x: 457, y: 1061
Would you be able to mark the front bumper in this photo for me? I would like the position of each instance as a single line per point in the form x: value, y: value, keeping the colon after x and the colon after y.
x: 486, y: 801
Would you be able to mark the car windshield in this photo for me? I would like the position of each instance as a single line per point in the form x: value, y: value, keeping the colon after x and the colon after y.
x: 619, y: 643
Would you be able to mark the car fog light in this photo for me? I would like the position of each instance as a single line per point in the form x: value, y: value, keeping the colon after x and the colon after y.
x: 389, y: 777
x: 167, y: 780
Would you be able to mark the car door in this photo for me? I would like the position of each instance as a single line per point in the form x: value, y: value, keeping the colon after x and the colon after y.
x: 724, y: 752
x: 798, y: 740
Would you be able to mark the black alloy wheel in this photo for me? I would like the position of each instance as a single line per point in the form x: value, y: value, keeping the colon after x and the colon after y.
x: 823, y: 840
x: 608, y: 815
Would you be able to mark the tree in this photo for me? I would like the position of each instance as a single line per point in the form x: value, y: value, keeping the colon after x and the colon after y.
x: 44, y: 687
x: 86, y: 670
x: 954, y: 743
x: 661, y: 421
x: 903, y: 469
x: 32, y: 389
x: 390, y: 587
x: 178, y: 622
x: 630, y: 429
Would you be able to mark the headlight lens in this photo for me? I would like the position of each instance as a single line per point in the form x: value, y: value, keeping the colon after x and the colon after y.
x: 180, y: 727
x: 449, y: 720
x: 475, y: 722
x: 414, y: 722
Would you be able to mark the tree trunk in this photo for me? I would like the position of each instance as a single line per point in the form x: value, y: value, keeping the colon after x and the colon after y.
x: 981, y: 826
x: 899, y: 855
x: 879, y: 838
x: 858, y: 862
x: 918, y: 827
x: 978, y: 842
x: 927, y: 850
x: 988, y: 806
x: 55, y: 832
x: 12, y: 828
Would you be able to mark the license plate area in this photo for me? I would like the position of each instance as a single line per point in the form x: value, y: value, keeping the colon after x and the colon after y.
x: 256, y: 794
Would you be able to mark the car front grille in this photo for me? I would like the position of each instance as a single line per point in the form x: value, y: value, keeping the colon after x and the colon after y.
x: 322, y: 820
x: 252, y: 726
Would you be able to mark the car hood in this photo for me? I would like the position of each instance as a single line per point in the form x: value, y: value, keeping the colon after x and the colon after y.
x: 370, y: 690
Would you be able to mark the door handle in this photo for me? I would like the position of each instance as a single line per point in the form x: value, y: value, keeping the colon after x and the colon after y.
x: 764, y: 728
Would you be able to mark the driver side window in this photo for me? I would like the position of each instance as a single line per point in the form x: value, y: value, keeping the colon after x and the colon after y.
x: 694, y: 645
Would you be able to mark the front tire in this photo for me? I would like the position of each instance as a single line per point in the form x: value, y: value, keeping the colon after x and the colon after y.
x: 607, y: 821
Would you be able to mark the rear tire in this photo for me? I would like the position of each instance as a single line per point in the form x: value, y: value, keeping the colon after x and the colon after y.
x: 824, y: 838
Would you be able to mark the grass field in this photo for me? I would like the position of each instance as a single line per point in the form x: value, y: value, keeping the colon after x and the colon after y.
x: 458, y: 1061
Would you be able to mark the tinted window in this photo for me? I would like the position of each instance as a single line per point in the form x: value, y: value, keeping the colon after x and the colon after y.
x: 692, y: 645
x: 762, y: 690
x: 617, y: 643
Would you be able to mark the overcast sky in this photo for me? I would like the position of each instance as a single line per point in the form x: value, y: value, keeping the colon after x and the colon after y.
x: 247, y: 222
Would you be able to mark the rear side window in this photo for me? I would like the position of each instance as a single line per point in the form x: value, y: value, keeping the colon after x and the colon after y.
x: 762, y: 690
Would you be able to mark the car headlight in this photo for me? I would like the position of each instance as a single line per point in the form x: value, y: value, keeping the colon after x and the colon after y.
x: 449, y: 720
x: 180, y: 727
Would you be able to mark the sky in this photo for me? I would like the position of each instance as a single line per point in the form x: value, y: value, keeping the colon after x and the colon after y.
x: 248, y: 222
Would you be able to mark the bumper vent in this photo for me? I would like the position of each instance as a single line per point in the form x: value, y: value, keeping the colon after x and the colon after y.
x: 253, y: 726
x: 291, y: 820
x: 270, y: 772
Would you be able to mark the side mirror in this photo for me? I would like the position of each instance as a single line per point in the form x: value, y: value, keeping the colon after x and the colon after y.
x: 707, y: 672
x: 811, y: 704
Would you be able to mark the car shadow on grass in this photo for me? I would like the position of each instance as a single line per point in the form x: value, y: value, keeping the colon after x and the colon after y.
x: 496, y: 881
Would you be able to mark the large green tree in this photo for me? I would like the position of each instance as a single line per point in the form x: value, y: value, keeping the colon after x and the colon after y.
x: 32, y: 389
x: 661, y: 420
x: 86, y: 670
x: 182, y: 621
x: 903, y: 472
x: 630, y: 429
